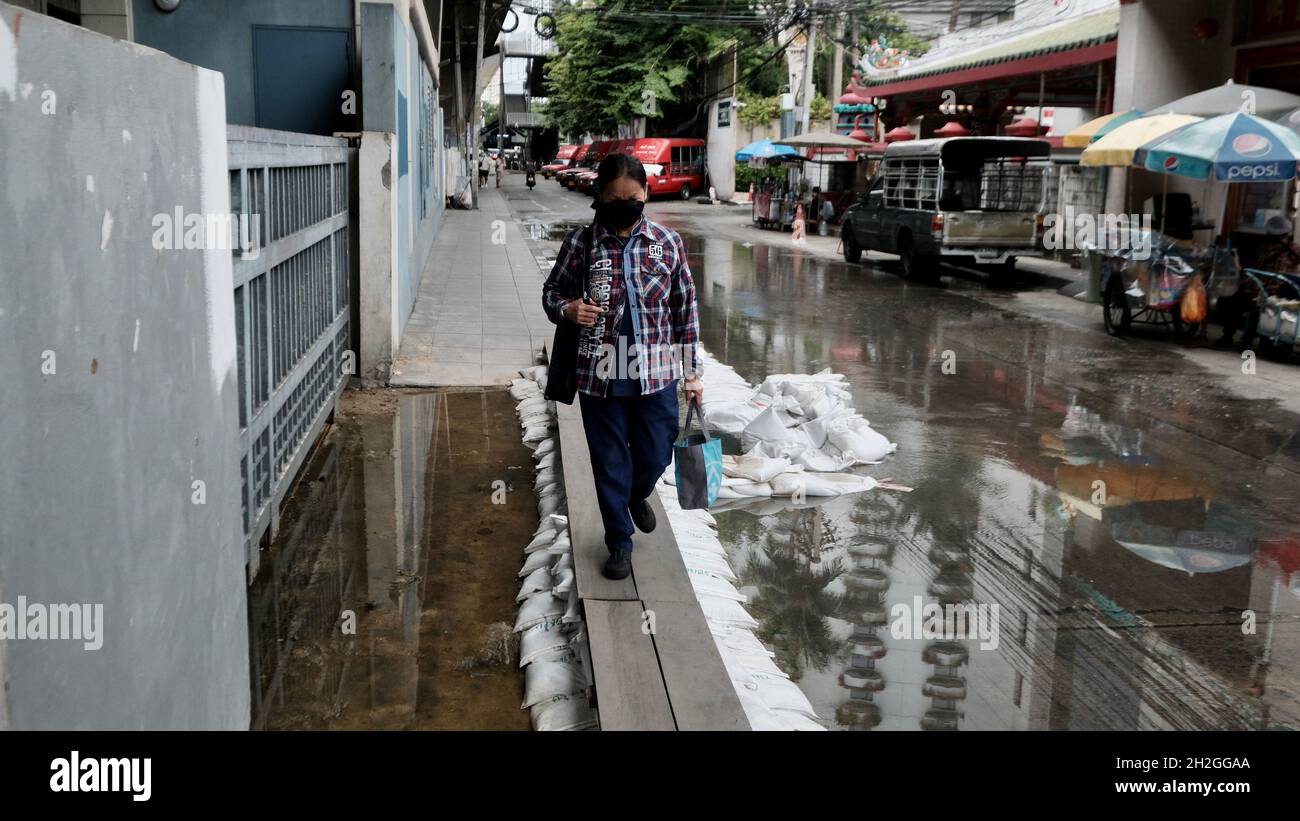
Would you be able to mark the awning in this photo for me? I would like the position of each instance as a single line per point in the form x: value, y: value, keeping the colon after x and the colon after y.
x: 1082, y: 41
x: 824, y: 140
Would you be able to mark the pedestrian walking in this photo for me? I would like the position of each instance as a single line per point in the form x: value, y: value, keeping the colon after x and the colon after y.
x: 501, y: 169
x: 484, y: 163
x: 625, y: 281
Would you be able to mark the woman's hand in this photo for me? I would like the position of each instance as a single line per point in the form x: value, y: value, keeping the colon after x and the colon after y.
x: 581, y: 312
x: 694, y: 389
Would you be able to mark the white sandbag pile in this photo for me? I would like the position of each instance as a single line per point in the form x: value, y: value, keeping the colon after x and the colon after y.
x: 806, y: 419
x: 754, y: 474
x: 553, y: 649
x: 770, y: 700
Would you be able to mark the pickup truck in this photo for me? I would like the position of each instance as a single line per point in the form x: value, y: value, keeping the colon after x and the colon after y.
x: 965, y: 200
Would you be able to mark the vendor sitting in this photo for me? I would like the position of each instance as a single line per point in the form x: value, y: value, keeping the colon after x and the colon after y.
x: 1278, y: 254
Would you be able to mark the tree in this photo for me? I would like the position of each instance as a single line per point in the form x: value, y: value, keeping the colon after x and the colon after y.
x: 620, y: 59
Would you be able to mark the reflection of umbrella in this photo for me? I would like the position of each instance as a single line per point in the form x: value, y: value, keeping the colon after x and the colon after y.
x: 764, y: 150
x: 1094, y: 130
x: 1192, y: 551
x: 1230, y: 97
x: 1118, y: 147
x: 1222, y: 542
x: 1233, y: 148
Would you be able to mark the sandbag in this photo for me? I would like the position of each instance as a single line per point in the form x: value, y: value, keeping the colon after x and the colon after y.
x: 563, y: 712
x: 546, y: 679
x: 537, y: 608
x: 541, y: 638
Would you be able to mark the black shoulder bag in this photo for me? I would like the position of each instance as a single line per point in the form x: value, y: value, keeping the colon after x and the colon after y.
x: 562, y: 371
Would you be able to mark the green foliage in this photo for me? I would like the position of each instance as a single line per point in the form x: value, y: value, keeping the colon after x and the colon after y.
x: 616, y: 63
x: 759, y: 110
x: 746, y: 175
x: 821, y: 108
x: 614, y: 67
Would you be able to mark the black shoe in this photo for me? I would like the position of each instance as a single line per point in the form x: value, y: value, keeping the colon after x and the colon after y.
x: 619, y: 564
x: 642, y: 515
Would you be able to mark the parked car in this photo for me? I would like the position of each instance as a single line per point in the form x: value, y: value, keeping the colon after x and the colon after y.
x: 576, y: 163
x: 560, y: 162
x: 966, y: 200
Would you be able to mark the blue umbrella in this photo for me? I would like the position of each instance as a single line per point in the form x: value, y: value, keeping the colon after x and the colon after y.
x: 765, y: 150
x: 1234, y: 147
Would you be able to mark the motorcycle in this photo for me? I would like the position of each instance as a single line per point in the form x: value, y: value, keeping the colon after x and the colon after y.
x: 531, y: 179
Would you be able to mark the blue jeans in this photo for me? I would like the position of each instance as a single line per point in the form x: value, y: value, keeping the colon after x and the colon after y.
x: 631, y: 443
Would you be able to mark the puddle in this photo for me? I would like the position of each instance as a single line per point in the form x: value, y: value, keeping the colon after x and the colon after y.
x: 394, y: 523
x: 1130, y: 519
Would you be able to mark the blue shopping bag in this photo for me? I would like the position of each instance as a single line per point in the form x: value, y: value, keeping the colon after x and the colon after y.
x: 697, y: 459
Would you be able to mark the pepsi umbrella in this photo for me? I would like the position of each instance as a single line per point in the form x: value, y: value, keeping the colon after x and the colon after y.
x: 765, y: 150
x: 1234, y: 147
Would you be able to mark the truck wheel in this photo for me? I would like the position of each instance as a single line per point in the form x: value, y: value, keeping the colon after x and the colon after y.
x: 1115, y: 311
x: 916, y: 267
x: 686, y: 191
x: 852, y: 253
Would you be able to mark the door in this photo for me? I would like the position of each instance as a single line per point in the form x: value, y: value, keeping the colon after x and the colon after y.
x: 299, y: 76
x: 867, y: 226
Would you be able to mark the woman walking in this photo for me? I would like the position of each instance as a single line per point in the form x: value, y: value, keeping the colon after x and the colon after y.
x: 625, y: 281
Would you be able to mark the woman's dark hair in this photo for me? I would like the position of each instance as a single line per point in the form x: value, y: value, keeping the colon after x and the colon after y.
x: 616, y: 165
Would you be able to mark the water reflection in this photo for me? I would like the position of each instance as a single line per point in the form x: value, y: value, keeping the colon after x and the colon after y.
x: 1128, y: 609
x: 385, y: 529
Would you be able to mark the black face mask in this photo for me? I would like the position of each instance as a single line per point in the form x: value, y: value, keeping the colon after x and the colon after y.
x: 619, y: 215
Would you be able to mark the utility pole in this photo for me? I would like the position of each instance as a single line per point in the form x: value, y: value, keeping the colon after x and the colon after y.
x: 837, y: 63
x: 502, y: 137
x: 460, y: 87
x: 478, y: 78
x: 809, y: 89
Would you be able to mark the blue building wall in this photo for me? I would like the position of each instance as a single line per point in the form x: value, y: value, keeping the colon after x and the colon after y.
x: 219, y: 36
x: 399, y: 97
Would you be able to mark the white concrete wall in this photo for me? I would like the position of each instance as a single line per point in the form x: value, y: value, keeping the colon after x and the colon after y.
x: 120, y: 386
x: 377, y: 231
x: 1158, y: 59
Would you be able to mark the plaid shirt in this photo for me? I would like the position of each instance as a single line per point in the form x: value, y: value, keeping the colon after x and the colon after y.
x: 665, y: 320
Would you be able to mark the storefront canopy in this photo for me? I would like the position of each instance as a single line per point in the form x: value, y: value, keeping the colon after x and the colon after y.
x: 1079, y: 42
x: 823, y: 140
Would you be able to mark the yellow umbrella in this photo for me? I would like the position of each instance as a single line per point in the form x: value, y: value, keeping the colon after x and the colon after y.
x: 1095, y: 129
x: 1118, y: 147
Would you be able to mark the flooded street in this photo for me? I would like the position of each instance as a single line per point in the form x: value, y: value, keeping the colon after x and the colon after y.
x: 1121, y: 611
x: 394, y: 524
x: 1132, y: 519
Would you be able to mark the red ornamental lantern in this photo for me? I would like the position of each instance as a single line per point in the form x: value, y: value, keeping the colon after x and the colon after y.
x: 1205, y: 29
x: 899, y: 134
x: 858, y: 132
x: 1024, y: 127
x: 952, y: 129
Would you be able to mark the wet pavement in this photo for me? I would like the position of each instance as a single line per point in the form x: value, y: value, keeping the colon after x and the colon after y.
x: 1131, y: 514
x: 394, y: 524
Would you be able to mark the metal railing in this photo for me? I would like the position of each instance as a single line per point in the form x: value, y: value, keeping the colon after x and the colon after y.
x: 292, y: 307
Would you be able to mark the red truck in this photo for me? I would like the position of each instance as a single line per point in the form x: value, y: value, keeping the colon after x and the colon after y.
x: 674, y: 165
x: 561, y: 161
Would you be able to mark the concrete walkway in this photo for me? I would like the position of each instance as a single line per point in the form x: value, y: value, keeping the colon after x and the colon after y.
x: 478, y: 315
